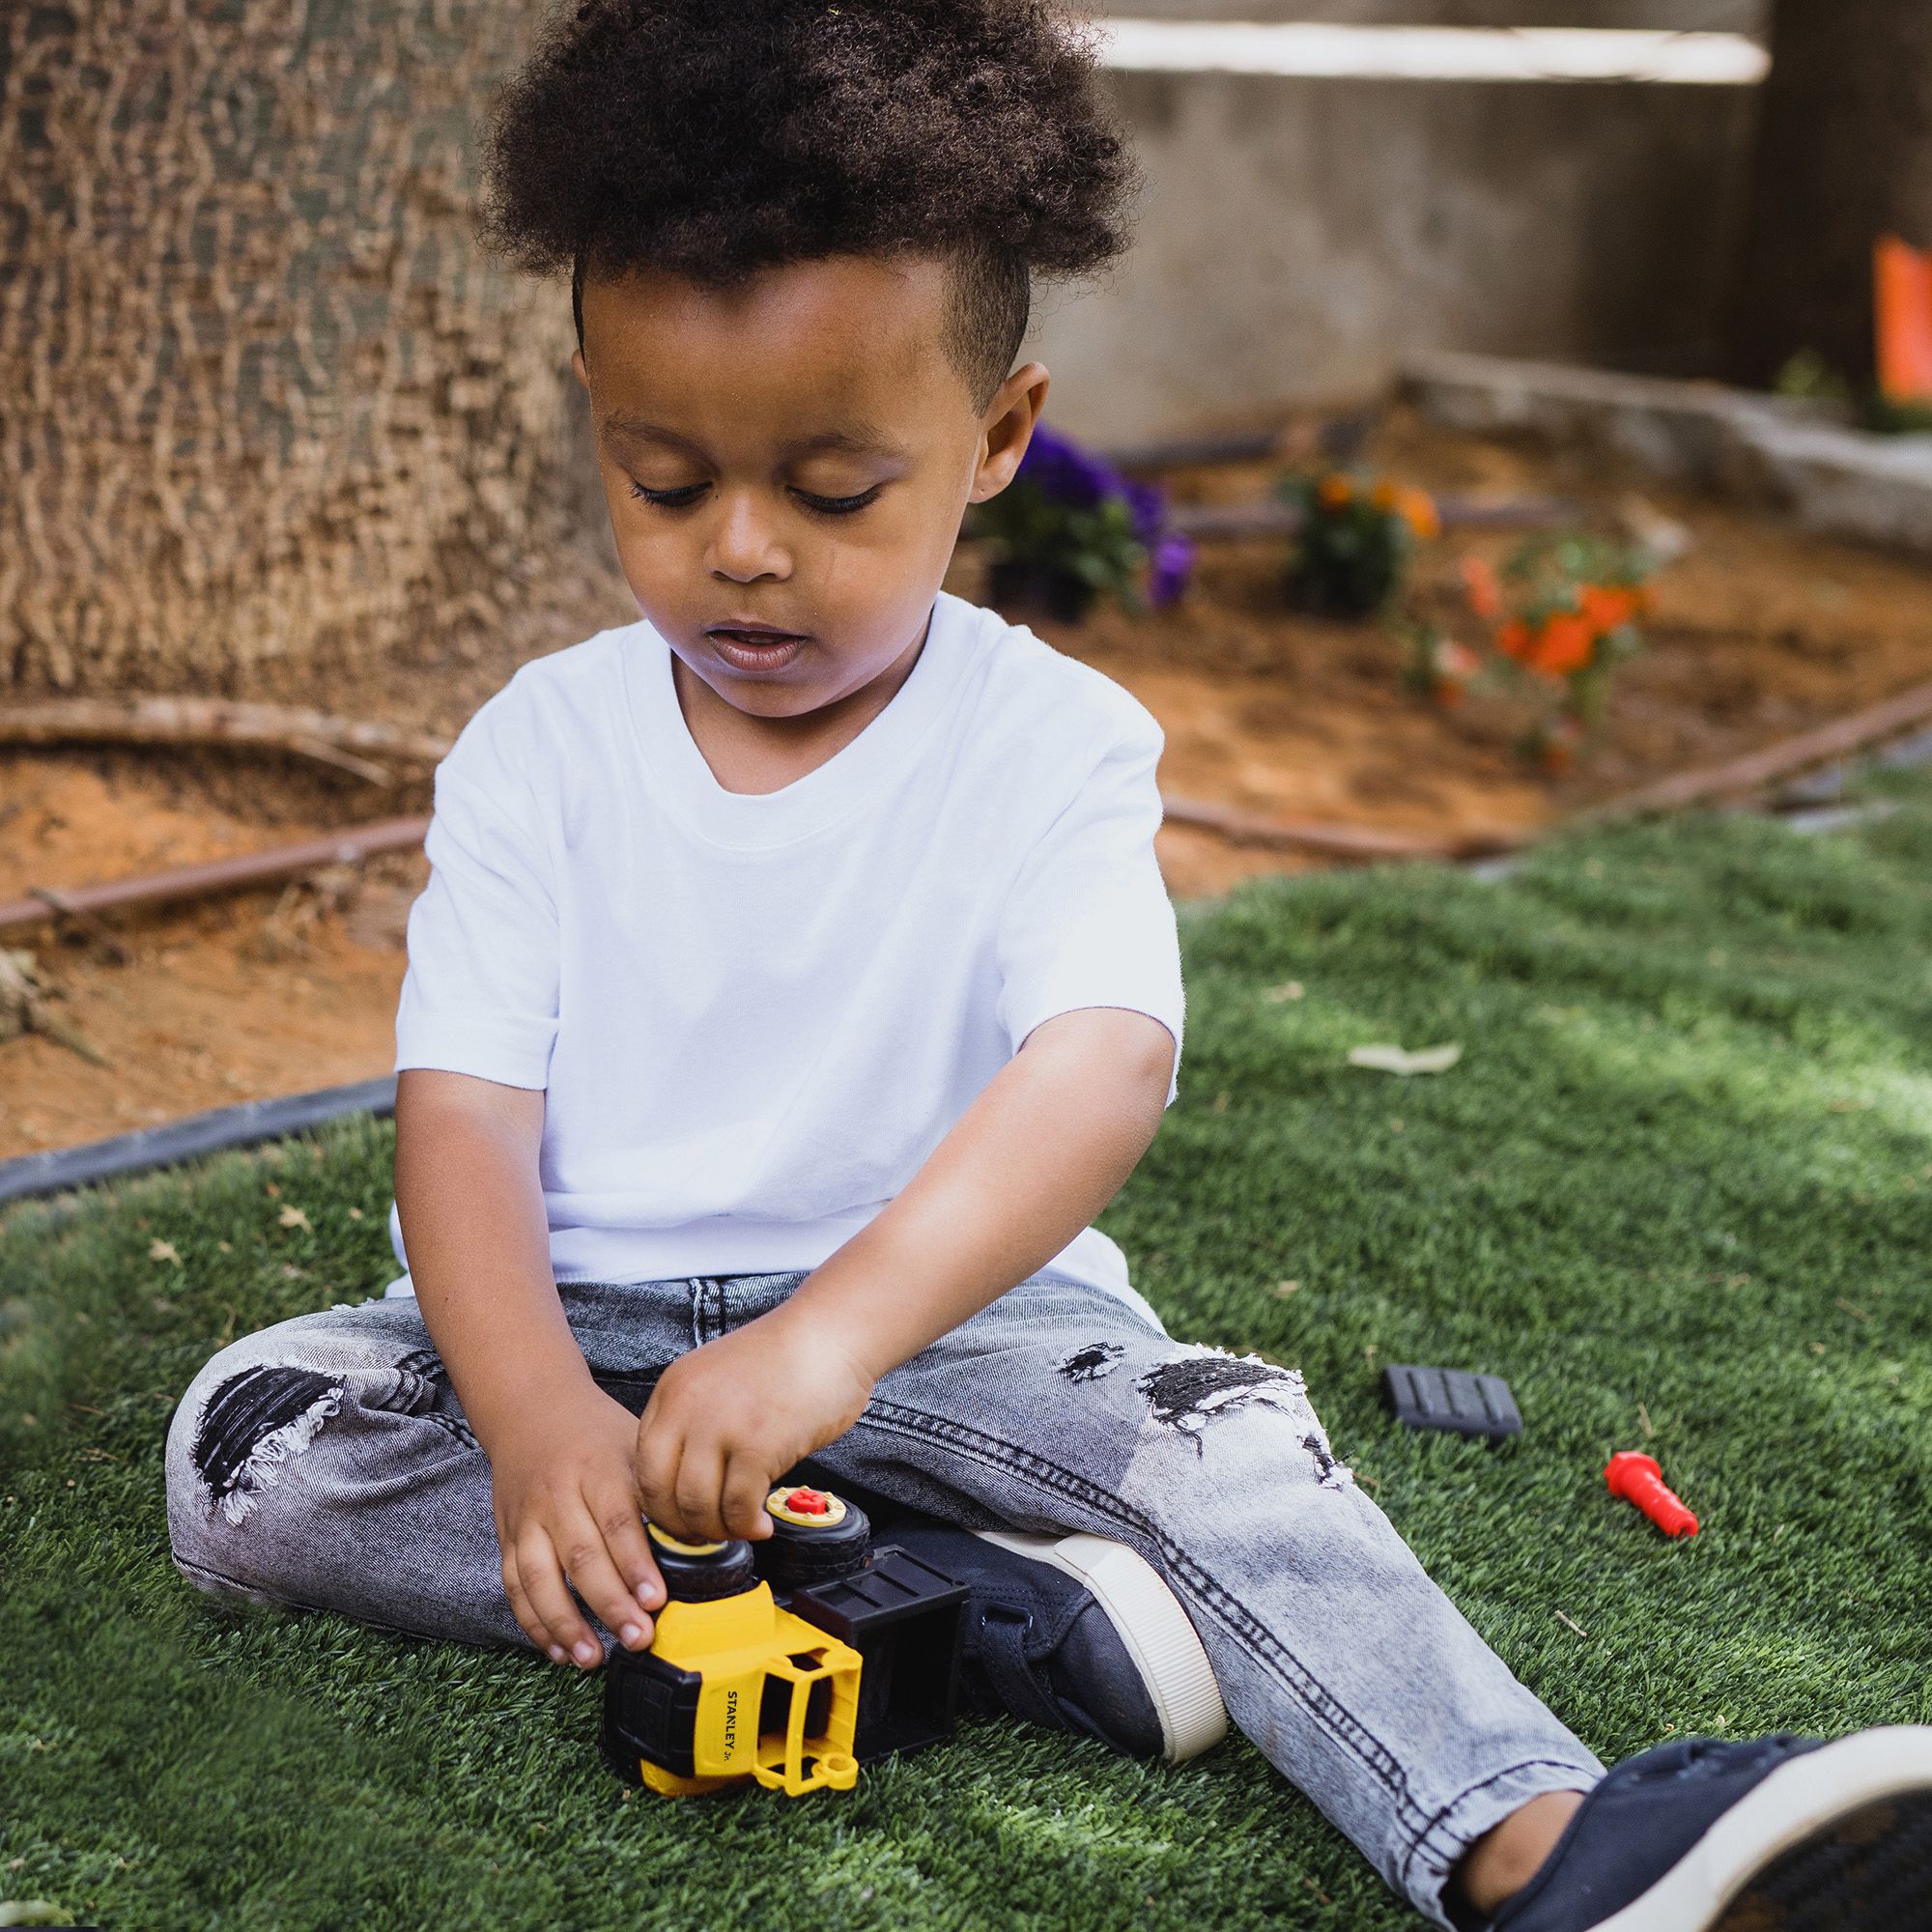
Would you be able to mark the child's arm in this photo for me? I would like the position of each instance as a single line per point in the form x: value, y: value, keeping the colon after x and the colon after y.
x: 560, y: 1450
x: 1040, y: 1151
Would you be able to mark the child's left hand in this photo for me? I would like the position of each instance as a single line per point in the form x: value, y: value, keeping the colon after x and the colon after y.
x: 726, y: 1421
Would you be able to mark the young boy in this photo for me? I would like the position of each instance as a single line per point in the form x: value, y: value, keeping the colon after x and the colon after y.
x: 795, y: 983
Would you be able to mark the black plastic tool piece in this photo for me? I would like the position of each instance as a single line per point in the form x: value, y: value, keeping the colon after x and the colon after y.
x: 907, y: 1621
x: 1458, y: 1401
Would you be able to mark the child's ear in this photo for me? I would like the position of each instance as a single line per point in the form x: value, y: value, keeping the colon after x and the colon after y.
x: 1007, y: 428
x: 577, y: 369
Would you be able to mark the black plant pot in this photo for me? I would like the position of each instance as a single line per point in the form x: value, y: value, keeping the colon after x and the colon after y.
x: 1014, y: 586
x: 1348, y: 594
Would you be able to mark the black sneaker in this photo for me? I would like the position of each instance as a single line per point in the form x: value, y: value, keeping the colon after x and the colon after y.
x: 1075, y: 1632
x: 1771, y: 1835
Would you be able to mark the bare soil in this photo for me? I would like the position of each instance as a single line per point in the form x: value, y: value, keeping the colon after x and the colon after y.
x: 1758, y: 633
x: 222, y: 1000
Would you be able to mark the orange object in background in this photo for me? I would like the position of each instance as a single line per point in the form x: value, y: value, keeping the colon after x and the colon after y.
x: 1564, y: 645
x: 1608, y: 606
x: 1483, y: 587
x: 1417, y: 509
x: 1902, y: 305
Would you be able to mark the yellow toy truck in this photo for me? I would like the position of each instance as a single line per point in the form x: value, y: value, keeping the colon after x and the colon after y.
x: 785, y: 1662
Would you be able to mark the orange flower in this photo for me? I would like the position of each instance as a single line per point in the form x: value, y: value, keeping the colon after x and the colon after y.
x: 1605, y: 606
x: 1383, y: 496
x: 1514, y: 641
x: 1334, y: 492
x: 1417, y: 509
x: 1564, y: 645
x: 1480, y: 585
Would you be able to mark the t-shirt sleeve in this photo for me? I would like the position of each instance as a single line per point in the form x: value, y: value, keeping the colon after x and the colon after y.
x: 480, y: 996
x: 1087, y: 921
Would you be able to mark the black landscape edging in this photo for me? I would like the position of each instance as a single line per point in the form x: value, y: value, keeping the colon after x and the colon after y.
x: 247, y: 1124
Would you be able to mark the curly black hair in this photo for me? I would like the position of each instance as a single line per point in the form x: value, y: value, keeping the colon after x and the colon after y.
x: 714, y: 138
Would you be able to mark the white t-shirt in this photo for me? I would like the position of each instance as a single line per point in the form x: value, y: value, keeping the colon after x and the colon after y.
x: 754, y: 1018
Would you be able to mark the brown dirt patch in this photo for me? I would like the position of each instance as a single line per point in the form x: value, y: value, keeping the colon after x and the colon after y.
x: 1759, y: 632
x: 236, y: 998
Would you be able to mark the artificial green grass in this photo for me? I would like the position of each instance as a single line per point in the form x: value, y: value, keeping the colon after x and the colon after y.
x: 1680, y: 1182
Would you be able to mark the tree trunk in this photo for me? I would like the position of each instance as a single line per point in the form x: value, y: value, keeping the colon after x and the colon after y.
x: 1843, y: 154
x: 271, y: 419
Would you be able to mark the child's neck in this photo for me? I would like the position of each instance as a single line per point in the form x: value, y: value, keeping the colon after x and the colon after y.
x: 752, y: 755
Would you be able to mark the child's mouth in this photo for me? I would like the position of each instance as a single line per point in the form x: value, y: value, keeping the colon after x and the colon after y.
x: 754, y: 647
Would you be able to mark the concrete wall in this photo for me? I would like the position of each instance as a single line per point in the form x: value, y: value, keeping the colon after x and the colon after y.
x: 1299, y: 237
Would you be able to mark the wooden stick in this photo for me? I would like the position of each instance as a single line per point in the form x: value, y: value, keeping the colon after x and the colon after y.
x: 1340, y: 841
x: 324, y: 752
x: 217, y: 721
x: 1751, y: 773
x: 89, y: 923
x: 24, y: 999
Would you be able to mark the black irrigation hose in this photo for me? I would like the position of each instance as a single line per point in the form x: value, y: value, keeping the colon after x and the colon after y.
x: 216, y: 1132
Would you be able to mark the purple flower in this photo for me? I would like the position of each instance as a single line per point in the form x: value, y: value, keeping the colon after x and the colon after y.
x: 1172, y: 566
x: 1076, y: 479
x: 1147, y: 504
x: 1064, y: 472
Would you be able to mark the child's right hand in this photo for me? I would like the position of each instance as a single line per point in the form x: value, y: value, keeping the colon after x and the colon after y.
x: 567, y: 1505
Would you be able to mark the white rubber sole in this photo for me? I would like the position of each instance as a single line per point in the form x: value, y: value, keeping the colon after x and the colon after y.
x: 1153, y: 1625
x: 1799, y: 1799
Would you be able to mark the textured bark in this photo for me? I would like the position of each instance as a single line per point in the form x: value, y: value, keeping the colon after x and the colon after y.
x: 1843, y: 154
x: 267, y: 414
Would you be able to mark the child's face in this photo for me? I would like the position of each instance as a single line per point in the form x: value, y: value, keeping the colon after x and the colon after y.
x: 787, y: 465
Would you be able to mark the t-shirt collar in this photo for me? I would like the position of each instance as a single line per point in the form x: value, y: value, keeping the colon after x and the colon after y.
x: 674, y: 768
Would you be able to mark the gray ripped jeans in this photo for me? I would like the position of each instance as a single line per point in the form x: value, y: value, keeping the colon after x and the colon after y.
x: 325, y: 1461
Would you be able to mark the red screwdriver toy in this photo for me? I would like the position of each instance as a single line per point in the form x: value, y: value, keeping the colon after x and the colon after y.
x: 1638, y: 1479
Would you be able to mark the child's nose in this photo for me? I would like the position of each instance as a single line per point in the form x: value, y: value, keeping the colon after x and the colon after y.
x: 743, y: 544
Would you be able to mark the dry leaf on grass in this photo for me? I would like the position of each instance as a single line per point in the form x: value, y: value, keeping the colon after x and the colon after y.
x: 292, y: 1217
x: 1383, y: 1058
x: 164, y: 1251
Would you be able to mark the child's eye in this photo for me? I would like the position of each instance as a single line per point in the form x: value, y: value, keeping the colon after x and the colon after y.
x: 827, y: 506
x: 669, y: 500
x: 836, y: 506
